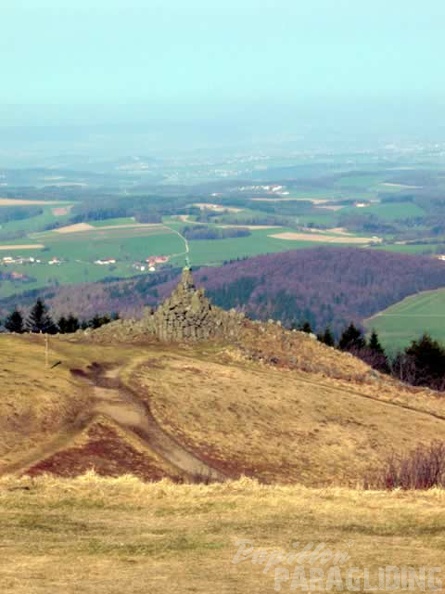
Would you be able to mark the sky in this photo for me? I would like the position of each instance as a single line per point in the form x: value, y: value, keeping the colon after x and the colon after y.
x: 95, y: 60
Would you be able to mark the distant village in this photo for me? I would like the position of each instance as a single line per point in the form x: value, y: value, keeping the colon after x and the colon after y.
x: 151, y: 264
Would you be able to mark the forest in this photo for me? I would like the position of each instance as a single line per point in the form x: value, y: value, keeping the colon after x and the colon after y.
x: 324, y: 286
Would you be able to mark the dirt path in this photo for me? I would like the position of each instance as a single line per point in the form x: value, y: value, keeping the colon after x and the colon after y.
x: 112, y: 399
x: 119, y: 403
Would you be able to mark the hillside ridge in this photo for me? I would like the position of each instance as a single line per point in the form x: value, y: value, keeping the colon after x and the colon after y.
x: 197, y: 394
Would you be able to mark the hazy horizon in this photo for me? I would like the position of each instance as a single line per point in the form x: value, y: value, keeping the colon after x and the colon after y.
x: 171, y: 75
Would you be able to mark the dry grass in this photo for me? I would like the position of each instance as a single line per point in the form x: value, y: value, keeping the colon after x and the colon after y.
x: 98, y: 535
x: 36, y: 401
x: 324, y: 238
x: 22, y: 202
x: 22, y: 246
x: 317, y: 417
x: 77, y: 228
x: 41, y: 407
x: 82, y: 227
x: 108, y: 536
x: 275, y: 424
x: 108, y: 450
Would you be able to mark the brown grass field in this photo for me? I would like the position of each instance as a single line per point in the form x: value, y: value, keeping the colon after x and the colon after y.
x: 82, y: 227
x: 325, y: 238
x: 82, y: 439
x: 77, y: 228
x: 86, y: 232
x: 22, y: 246
x: 315, y: 416
x: 111, y: 536
x: 22, y: 202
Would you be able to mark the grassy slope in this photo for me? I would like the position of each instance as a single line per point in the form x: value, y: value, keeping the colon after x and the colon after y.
x: 35, y: 401
x: 410, y: 318
x: 318, y: 421
x: 279, y: 426
x: 40, y: 405
x: 108, y: 536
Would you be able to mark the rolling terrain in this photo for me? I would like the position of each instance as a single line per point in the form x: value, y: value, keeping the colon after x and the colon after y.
x: 324, y: 285
x: 122, y: 213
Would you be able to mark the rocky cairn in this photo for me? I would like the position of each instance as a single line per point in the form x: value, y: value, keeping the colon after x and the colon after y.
x: 188, y: 315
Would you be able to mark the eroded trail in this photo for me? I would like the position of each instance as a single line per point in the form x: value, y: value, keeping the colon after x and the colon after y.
x: 117, y: 402
x: 111, y: 399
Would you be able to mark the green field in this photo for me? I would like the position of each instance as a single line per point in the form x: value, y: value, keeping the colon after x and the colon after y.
x: 410, y: 318
x: 418, y: 249
x: 364, y: 182
x: 112, y: 222
x: 33, y: 224
x: 211, y: 252
x: 389, y: 211
x: 78, y: 251
x: 127, y: 245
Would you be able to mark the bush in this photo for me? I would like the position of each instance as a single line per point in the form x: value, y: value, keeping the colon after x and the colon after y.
x: 422, y: 468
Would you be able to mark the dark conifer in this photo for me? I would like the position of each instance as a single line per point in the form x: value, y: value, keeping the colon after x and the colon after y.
x: 39, y: 320
x: 374, y: 343
x: 14, y: 322
x: 352, y: 339
x: 327, y: 337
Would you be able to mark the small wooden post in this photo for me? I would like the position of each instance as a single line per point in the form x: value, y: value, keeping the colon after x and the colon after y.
x: 46, y: 350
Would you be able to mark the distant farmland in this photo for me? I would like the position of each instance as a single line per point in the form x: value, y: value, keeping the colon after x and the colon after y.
x: 411, y: 317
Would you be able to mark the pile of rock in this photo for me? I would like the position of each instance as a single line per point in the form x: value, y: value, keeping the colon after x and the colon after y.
x: 189, y: 315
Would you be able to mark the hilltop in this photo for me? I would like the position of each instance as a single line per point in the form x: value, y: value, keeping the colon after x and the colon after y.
x: 232, y: 398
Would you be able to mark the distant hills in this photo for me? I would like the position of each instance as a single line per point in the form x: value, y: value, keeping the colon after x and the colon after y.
x: 324, y: 285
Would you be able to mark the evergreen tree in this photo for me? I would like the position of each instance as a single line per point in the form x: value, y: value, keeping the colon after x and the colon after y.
x: 374, y: 354
x: 305, y: 327
x: 14, y: 322
x: 427, y: 359
x: 327, y: 337
x: 352, y: 339
x: 374, y: 343
x: 39, y: 320
x: 68, y: 325
x: 72, y: 323
x: 62, y: 325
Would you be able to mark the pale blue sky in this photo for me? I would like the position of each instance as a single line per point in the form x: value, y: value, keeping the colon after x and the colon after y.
x: 202, y: 55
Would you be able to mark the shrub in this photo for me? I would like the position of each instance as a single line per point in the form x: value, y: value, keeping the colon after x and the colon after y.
x: 422, y: 468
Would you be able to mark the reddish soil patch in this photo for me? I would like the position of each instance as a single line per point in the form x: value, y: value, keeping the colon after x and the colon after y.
x: 105, y: 452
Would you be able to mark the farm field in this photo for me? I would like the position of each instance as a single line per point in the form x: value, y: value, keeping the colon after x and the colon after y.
x: 389, y: 211
x: 73, y: 255
x: 407, y: 320
x: 75, y: 248
x: 297, y: 210
x: 420, y: 248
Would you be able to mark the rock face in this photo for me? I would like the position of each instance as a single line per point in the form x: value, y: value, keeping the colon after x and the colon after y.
x: 188, y: 315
